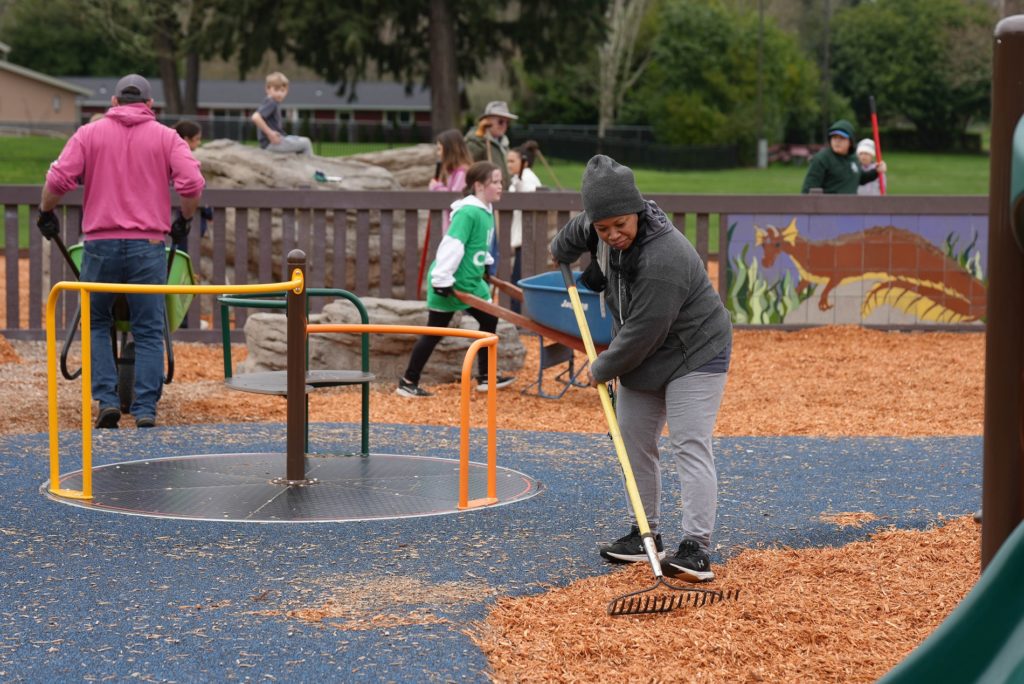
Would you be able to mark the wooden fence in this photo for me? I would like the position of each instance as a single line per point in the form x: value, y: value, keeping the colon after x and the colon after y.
x: 370, y: 242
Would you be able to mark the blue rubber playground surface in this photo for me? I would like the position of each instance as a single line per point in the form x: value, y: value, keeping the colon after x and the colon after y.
x: 87, y: 594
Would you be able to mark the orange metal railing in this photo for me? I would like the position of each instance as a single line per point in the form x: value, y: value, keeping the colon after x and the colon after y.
x: 480, y: 340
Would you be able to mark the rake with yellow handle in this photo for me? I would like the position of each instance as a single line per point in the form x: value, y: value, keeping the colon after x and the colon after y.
x: 645, y: 600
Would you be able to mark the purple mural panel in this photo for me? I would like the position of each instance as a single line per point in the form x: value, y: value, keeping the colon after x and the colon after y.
x: 853, y: 269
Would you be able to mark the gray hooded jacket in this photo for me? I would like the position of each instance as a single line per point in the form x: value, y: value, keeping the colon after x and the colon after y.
x: 667, y: 321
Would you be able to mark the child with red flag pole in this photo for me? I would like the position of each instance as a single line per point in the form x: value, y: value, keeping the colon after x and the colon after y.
x: 878, y: 144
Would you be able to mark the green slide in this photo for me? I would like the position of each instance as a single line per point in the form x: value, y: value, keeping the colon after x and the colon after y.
x: 983, y: 638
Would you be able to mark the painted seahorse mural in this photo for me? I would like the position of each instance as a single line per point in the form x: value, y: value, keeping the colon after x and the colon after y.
x: 911, y: 273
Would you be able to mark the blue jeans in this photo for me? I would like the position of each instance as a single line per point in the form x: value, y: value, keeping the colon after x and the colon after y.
x: 140, y: 262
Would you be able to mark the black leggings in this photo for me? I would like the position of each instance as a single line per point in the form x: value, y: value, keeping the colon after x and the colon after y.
x: 424, y: 346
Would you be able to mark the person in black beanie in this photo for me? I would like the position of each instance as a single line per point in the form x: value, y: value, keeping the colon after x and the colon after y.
x: 835, y: 170
x: 670, y: 349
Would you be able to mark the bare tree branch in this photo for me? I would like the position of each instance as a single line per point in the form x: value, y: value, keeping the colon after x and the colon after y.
x: 617, y: 70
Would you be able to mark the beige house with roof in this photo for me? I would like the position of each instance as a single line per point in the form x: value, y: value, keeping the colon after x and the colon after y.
x: 30, y: 99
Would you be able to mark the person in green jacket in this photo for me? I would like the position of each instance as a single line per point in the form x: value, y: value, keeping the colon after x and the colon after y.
x: 487, y: 141
x: 835, y: 169
x: 460, y: 264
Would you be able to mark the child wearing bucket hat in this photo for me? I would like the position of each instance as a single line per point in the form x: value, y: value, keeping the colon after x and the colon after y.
x: 670, y: 348
x: 866, y: 157
x: 835, y: 170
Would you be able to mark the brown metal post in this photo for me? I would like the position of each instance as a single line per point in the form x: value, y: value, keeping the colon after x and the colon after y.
x: 1003, y: 486
x: 296, y: 341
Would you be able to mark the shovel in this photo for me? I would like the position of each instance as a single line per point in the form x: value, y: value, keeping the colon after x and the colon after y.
x: 649, y: 600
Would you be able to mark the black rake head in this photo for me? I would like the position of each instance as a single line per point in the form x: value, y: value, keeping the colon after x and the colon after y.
x: 643, y: 601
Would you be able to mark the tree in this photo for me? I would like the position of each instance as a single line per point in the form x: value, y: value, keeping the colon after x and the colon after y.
x: 620, y: 66
x: 542, y: 96
x: 701, y: 85
x: 927, y: 60
x: 168, y: 32
x: 342, y: 41
x: 68, y: 46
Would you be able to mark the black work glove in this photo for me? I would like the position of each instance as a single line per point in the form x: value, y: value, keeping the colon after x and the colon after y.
x: 444, y: 291
x: 180, y: 228
x: 49, y: 224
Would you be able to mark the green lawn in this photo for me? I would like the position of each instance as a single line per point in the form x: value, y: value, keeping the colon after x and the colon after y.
x: 24, y: 160
x: 910, y: 173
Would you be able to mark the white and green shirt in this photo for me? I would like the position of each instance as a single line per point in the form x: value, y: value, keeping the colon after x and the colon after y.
x: 463, y: 256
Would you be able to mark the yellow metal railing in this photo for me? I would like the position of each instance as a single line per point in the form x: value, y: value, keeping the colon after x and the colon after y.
x: 297, y: 284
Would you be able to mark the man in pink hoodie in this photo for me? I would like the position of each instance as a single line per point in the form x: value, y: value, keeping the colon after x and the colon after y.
x: 128, y: 161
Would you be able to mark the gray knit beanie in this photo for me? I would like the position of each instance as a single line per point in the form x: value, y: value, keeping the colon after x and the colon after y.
x: 609, y: 189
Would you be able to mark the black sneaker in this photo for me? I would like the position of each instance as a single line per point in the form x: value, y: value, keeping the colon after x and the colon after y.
x: 689, y: 563
x: 411, y: 390
x: 108, y: 417
x: 630, y: 549
x: 143, y: 422
x: 499, y: 382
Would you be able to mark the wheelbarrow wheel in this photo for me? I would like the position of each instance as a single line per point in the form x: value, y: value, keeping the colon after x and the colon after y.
x: 126, y: 376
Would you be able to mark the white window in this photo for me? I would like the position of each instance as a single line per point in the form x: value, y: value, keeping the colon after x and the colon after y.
x: 56, y: 103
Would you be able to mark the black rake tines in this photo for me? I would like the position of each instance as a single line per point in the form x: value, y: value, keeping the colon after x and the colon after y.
x: 643, y: 602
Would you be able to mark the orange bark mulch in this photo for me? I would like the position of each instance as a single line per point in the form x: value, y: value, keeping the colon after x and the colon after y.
x: 824, y: 615
x: 813, y: 615
x: 7, y: 352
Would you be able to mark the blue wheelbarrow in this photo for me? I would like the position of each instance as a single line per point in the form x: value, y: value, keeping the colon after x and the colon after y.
x: 548, y: 313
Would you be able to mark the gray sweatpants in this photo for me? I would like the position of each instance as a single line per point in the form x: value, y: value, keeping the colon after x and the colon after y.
x: 292, y: 144
x: 690, y: 406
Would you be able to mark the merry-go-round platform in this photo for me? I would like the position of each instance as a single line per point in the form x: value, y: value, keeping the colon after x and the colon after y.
x: 247, y: 487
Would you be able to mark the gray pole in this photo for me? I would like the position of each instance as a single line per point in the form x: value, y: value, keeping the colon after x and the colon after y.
x: 762, y: 143
x: 826, y: 77
x: 1003, y: 487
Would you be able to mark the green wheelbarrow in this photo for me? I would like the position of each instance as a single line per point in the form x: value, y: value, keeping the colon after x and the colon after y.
x: 179, y: 272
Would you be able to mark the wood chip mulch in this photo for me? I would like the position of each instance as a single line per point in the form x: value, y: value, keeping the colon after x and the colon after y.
x: 356, y: 603
x: 7, y: 352
x: 811, y: 615
x: 831, y: 381
x: 836, y: 615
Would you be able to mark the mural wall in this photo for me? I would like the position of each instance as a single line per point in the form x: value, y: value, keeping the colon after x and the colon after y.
x: 853, y: 269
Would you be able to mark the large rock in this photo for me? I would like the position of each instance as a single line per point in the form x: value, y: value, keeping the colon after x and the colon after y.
x: 229, y: 164
x: 389, y: 354
x: 413, y: 167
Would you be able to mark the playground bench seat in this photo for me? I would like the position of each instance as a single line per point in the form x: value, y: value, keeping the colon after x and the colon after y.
x: 275, y: 382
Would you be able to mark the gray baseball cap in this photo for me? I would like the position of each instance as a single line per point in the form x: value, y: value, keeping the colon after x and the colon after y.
x: 133, y: 88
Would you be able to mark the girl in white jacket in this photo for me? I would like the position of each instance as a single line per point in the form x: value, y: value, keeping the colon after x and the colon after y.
x: 520, y: 161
